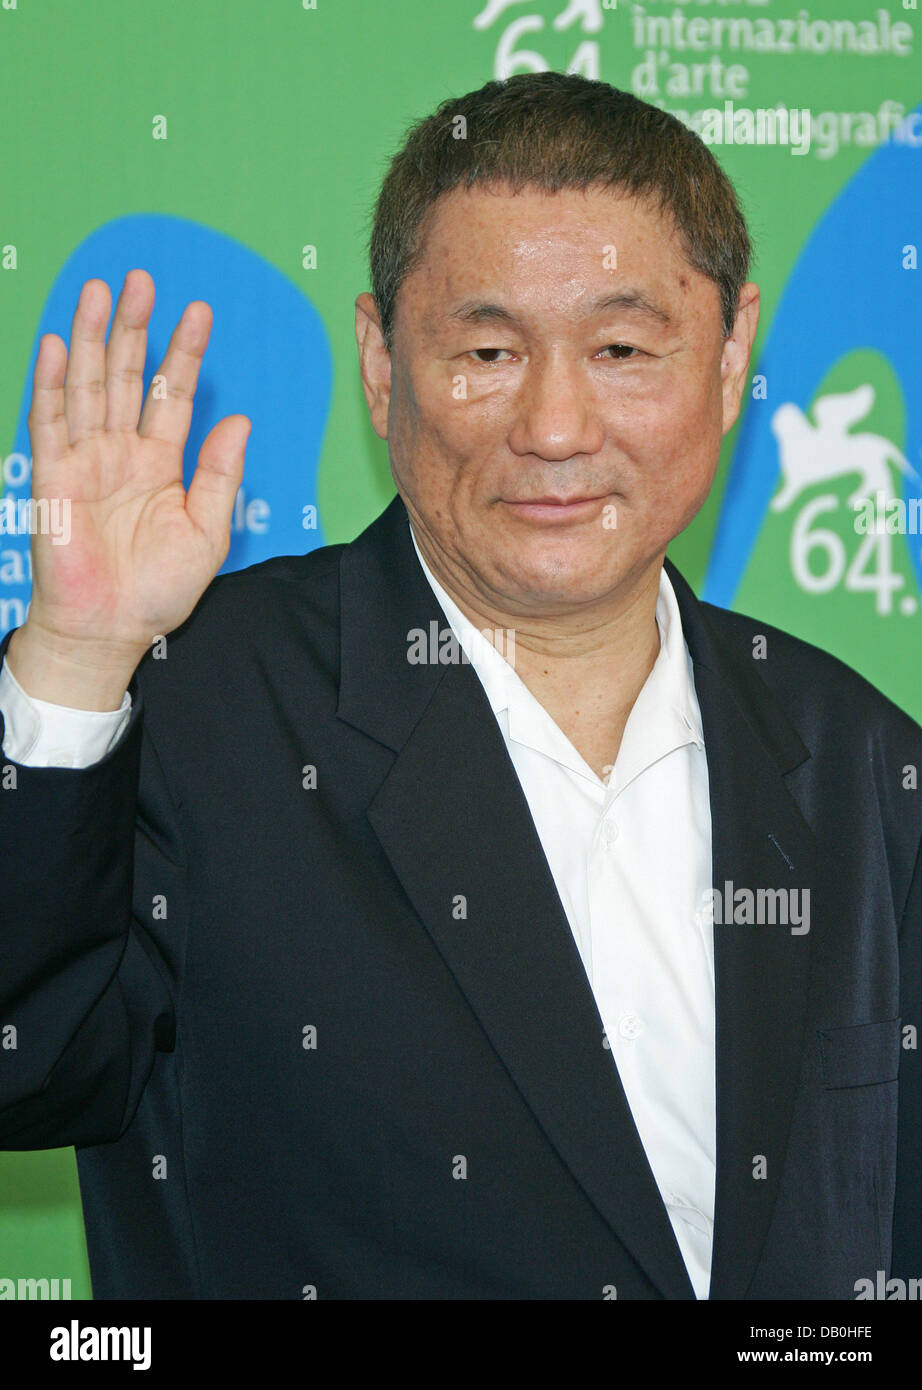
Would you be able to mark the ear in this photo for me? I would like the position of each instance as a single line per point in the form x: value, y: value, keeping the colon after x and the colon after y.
x: 374, y: 362
x: 737, y: 350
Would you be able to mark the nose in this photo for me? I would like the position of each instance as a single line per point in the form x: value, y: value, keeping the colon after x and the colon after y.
x: 556, y: 413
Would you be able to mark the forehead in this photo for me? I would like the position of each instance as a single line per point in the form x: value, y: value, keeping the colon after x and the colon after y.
x: 548, y: 248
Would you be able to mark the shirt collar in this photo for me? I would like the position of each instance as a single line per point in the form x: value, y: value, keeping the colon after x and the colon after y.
x: 665, y: 716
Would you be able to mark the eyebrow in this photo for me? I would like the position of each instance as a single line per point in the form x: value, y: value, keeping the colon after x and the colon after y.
x: 482, y: 311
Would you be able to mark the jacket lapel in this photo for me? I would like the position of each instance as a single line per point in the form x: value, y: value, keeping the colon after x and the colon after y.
x: 453, y: 820
x: 759, y: 840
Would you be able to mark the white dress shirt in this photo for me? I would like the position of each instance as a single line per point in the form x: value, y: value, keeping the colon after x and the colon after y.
x: 632, y: 864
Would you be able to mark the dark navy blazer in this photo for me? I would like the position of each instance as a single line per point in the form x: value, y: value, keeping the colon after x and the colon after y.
x: 289, y: 1065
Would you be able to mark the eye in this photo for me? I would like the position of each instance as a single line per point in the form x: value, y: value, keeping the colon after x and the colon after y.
x: 491, y: 363
x: 622, y: 349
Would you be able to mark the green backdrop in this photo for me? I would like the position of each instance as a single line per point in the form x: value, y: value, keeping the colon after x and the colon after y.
x: 281, y: 118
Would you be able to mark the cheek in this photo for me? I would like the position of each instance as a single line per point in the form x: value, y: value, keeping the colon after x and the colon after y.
x: 673, y: 438
x: 660, y: 431
x: 429, y: 444
x: 456, y: 445
x: 695, y: 423
x: 437, y: 416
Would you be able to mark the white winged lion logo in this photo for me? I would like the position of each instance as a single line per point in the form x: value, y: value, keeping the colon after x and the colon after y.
x: 815, y: 452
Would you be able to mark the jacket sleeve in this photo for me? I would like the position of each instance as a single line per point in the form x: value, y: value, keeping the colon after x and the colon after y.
x: 92, y: 894
x: 907, y: 1220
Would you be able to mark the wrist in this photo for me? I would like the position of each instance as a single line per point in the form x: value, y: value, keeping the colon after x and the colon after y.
x: 75, y: 672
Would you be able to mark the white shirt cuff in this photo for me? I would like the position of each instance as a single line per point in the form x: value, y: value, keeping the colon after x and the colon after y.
x: 39, y: 734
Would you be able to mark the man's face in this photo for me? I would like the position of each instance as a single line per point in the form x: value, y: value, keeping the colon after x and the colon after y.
x: 548, y: 445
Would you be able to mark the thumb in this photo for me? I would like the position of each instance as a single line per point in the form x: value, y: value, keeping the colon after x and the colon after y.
x: 218, y: 475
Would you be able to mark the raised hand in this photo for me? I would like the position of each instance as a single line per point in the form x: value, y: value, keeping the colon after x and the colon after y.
x: 141, y: 549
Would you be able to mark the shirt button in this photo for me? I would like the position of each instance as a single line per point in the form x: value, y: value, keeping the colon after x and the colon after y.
x: 60, y: 757
x: 631, y: 1026
x: 610, y: 832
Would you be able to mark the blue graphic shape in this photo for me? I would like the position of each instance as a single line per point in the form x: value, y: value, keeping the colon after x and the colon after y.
x: 268, y: 357
x: 847, y: 291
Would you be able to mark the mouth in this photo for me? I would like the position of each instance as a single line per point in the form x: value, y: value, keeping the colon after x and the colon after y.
x: 556, y: 509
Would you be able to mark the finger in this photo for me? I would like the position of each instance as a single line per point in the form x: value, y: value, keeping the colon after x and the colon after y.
x: 47, y: 420
x: 127, y: 350
x: 218, y: 475
x: 167, y: 411
x: 85, y: 382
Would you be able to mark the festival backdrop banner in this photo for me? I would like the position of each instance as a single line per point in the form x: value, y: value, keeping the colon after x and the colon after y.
x: 234, y: 150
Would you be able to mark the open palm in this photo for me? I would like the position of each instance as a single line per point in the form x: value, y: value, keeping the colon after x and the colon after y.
x: 141, y: 549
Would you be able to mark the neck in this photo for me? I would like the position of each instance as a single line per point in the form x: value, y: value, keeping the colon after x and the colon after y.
x: 585, y: 667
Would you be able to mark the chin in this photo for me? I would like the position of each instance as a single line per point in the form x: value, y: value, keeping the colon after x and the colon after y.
x: 563, y: 583
x: 555, y: 563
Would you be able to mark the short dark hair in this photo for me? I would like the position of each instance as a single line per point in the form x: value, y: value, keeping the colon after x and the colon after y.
x: 555, y: 130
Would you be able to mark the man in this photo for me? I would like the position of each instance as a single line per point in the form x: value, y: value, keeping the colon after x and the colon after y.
x: 360, y: 956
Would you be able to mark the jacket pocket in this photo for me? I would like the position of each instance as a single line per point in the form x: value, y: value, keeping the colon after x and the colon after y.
x: 862, y: 1055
